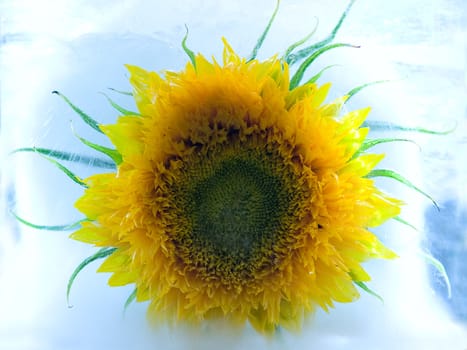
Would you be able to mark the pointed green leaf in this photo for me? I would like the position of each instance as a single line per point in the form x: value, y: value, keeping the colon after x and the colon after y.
x: 363, y: 286
x: 314, y: 78
x: 67, y: 227
x: 438, y: 265
x: 357, y: 89
x: 307, y: 51
x: 372, y: 143
x: 100, y: 254
x: 404, y: 222
x: 190, y: 53
x: 393, y: 175
x: 297, y: 77
x: 86, y: 118
x: 65, y: 170
x: 260, y: 41
x: 300, y: 42
x: 377, y: 125
x: 131, y: 298
x: 118, y: 107
x: 111, y: 153
x: 70, y: 157
x: 128, y: 93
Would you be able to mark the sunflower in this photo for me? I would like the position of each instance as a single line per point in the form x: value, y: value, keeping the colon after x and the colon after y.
x: 236, y: 192
x: 237, y: 196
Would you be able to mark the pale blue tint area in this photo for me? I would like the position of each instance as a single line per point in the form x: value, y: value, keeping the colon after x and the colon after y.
x: 80, y: 48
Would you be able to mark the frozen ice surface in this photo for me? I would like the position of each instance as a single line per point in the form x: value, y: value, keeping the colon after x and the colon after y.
x: 79, y: 48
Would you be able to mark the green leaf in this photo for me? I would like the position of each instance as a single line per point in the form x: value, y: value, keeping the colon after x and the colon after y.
x: 70, y: 157
x: 314, y: 78
x: 131, y: 298
x: 297, y: 77
x: 65, y: 170
x: 67, y: 227
x: 190, y: 53
x: 438, y: 265
x: 402, y: 221
x: 387, y: 126
x: 111, y: 153
x: 395, y: 176
x: 372, y: 143
x: 260, y: 40
x: 307, y: 51
x: 357, y: 89
x: 300, y: 42
x: 86, y: 118
x: 120, y: 108
x: 128, y: 93
x: 363, y: 286
x: 100, y: 254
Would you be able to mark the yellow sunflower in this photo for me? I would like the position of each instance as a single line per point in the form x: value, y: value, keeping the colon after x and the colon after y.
x: 236, y: 192
x: 237, y: 196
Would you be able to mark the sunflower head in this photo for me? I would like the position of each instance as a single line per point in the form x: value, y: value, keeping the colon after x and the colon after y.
x: 237, y: 196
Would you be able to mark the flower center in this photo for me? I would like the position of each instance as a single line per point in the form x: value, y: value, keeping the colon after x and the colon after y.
x: 236, y: 209
x: 236, y: 206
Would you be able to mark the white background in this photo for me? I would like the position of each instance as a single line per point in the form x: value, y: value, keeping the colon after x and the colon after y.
x: 79, y: 48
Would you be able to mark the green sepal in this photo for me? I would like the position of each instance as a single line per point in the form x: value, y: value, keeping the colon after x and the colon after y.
x: 357, y: 89
x: 404, y: 222
x: 131, y: 298
x: 300, y: 42
x: 70, y: 157
x: 438, y: 265
x: 373, y: 142
x: 65, y: 170
x: 185, y: 48
x: 315, y: 77
x: 110, y: 152
x: 260, y: 40
x: 67, y: 227
x: 307, y: 51
x: 395, y: 176
x: 297, y: 77
x: 86, y: 118
x: 100, y: 254
x: 119, y: 108
x: 128, y: 93
x: 378, y: 125
x: 367, y: 289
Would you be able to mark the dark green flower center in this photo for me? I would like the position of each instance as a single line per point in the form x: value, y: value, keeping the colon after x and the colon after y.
x: 235, y: 210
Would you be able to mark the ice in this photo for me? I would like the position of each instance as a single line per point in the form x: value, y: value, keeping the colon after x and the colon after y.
x: 79, y: 48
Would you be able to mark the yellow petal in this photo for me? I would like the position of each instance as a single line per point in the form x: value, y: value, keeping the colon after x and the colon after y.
x: 126, y: 135
x: 362, y: 165
x: 385, y: 208
x: 115, y: 262
x: 320, y: 95
x: 122, y: 278
x: 89, y: 234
